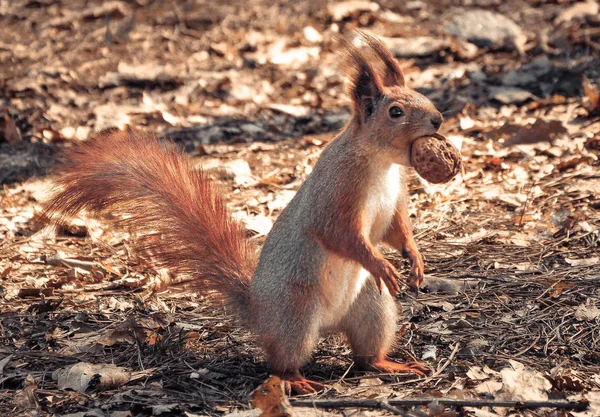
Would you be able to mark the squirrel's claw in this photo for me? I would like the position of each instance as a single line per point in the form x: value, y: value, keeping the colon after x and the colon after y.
x: 302, y: 386
x: 389, y: 276
x: 415, y: 278
x: 379, y: 283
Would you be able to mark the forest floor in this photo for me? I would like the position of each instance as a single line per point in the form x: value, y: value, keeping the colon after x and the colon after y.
x: 253, y: 91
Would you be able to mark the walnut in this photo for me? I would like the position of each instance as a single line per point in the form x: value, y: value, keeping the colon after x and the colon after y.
x: 435, y: 158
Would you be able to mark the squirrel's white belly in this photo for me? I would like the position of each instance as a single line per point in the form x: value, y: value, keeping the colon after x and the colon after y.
x: 344, y: 279
x: 343, y: 284
x: 381, y: 203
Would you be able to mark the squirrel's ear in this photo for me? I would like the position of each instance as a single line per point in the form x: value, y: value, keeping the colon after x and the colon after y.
x: 393, y: 74
x: 365, y: 87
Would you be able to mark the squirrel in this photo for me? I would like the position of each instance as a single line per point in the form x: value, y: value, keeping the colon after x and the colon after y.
x: 319, y: 270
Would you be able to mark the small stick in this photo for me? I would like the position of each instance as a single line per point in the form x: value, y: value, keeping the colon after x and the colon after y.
x: 125, y: 283
x: 396, y: 411
x: 450, y: 359
x: 85, y: 265
x: 73, y: 263
x: 558, y: 404
x: 345, y: 373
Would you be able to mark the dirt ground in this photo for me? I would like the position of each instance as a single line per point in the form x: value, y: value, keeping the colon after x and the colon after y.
x: 253, y: 91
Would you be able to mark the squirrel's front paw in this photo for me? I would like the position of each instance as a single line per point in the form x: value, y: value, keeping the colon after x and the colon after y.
x: 415, y: 278
x: 388, y: 275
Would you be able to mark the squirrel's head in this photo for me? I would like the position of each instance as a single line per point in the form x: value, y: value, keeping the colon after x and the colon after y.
x: 386, y: 113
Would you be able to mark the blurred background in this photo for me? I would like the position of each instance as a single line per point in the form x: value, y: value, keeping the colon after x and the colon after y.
x: 204, y: 72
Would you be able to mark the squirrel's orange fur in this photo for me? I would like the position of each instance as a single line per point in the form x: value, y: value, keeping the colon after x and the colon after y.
x: 319, y: 270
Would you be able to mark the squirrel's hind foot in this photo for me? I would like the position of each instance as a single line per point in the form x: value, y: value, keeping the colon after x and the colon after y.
x: 297, y: 385
x: 387, y: 366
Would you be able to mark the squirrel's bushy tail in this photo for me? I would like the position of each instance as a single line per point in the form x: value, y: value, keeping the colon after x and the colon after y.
x: 177, y: 215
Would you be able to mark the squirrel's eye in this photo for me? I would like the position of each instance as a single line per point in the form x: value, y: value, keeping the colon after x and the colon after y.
x: 396, y: 112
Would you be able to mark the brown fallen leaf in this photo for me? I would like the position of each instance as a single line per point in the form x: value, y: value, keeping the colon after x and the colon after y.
x: 35, y: 292
x: 121, y: 414
x: 270, y: 398
x: 9, y: 130
x: 45, y: 305
x: 516, y: 382
x: 128, y: 331
x: 494, y: 163
x: 522, y: 383
x: 72, y: 229
x: 540, y: 131
x: 573, y: 163
x: 587, y: 311
x: 577, y: 12
x: 558, y: 287
x: 26, y: 398
x: 505, y: 131
x: 510, y: 95
x: 84, y: 376
x: 50, y: 134
x: 592, y: 92
x: 593, y: 143
x: 352, y: 8
x: 570, y: 225
x: 563, y: 383
x: 547, y: 102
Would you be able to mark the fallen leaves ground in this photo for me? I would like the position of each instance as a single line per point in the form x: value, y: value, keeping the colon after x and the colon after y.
x: 254, y: 93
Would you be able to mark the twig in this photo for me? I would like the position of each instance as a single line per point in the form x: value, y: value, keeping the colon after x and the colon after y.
x: 558, y: 404
x: 378, y: 375
x: 84, y: 265
x: 125, y: 283
x: 345, y: 373
x: 386, y: 406
x: 524, y: 351
x: 450, y: 359
x: 73, y: 263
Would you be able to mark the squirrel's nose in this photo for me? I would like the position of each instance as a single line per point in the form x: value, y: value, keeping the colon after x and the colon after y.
x: 436, y: 121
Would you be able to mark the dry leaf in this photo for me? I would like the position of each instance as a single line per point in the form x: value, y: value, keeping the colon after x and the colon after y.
x: 26, y: 398
x: 592, y: 93
x: 429, y: 352
x: 578, y: 10
x: 270, y: 398
x: 92, y: 412
x: 524, y: 384
x: 540, y: 131
x: 9, y: 130
x: 517, y: 383
x: 84, y: 376
x: 485, y: 29
x: 342, y: 10
x: 121, y: 414
x: 593, y: 397
x: 168, y: 409
x: 260, y: 224
x: 510, y: 95
x: 587, y: 311
x: 437, y: 285
x: 126, y: 332
x: 583, y: 262
x: 418, y: 46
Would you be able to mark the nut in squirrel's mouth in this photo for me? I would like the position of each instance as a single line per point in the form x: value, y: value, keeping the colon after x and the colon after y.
x: 433, y: 135
x: 435, y: 158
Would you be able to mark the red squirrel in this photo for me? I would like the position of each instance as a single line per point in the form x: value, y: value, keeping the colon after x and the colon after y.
x: 319, y: 270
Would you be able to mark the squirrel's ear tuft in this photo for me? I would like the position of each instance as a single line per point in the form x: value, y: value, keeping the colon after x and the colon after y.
x: 365, y: 88
x: 393, y: 74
